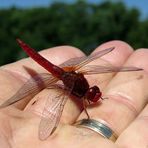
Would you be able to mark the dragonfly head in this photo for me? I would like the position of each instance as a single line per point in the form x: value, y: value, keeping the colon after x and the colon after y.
x: 94, y: 94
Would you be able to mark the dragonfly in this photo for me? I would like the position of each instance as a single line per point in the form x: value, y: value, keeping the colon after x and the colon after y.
x: 72, y: 75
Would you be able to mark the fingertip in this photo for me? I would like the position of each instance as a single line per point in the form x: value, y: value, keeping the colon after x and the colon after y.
x: 60, y: 54
x: 119, y: 55
x: 118, y: 43
x: 139, y: 59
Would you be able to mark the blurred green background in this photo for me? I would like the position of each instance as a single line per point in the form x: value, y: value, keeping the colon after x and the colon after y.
x: 81, y: 24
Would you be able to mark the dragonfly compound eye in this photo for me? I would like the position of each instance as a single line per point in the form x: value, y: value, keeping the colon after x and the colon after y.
x: 94, y: 94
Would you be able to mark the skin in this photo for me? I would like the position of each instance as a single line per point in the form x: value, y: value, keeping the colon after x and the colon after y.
x: 125, y: 110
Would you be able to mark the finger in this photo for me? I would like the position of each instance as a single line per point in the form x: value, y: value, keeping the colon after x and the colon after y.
x: 126, y: 94
x: 120, y: 53
x: 136, y: 134
x: 14, y: 75
x: 116, y: 58
x: 56, y: 55
x: 69, y: 136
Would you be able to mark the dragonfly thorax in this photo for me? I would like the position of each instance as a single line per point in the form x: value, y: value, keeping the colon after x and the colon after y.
x: 76, y: 83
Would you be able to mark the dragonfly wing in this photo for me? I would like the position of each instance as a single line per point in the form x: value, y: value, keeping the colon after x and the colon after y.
x: 30, y: 88
x: 51, y: 116
x: 73, y: 61
x: 94, y: 56
x: 97, y: 69
x: 81, y: 61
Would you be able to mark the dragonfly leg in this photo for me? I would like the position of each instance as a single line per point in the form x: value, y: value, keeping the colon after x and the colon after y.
x: 102, y: 98
x: 84, y: 106
x: 88, y: 101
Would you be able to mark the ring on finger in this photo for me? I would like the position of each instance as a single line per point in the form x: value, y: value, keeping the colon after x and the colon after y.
x: 99, y: 127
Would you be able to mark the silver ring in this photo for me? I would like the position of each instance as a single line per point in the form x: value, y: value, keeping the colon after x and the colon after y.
x: 98, y: 127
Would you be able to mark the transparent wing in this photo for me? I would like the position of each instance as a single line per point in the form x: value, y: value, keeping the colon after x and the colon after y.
x: 73, y: 61
x: 98, y: 69
x: 93, y: 57
x: 51, y: 115
x: 31, y: 88
x: 81, y: 61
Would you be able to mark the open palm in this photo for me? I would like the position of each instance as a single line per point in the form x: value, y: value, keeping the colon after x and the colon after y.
x: 125, y: 110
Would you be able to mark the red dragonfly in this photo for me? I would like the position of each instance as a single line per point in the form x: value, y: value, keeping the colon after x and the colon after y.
x: 71, y: 73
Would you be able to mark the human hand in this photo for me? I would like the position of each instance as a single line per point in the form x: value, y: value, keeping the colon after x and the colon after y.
x: 124, y: 110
